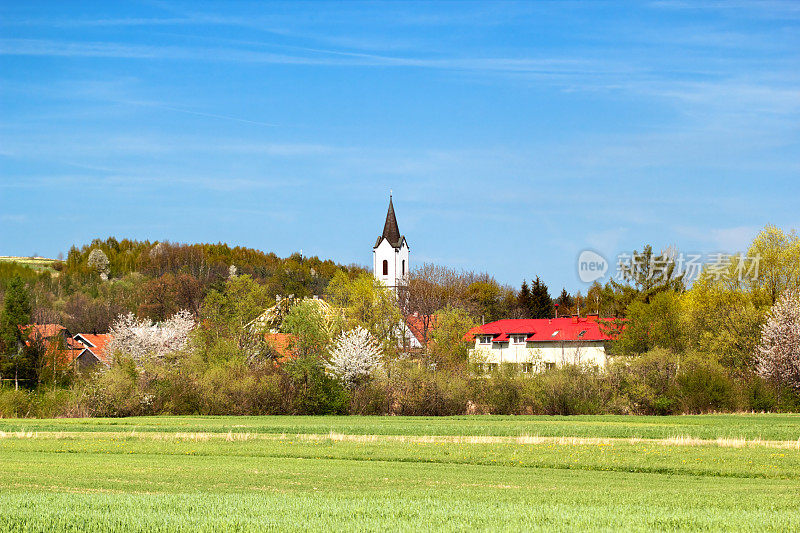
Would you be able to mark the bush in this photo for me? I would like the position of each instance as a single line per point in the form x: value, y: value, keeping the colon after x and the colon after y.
x: 647, y: 381
x: 703, y: 385
x: 569, y: 390
x: 44, y: 403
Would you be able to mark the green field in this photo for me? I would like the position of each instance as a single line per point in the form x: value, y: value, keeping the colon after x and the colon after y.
x: 36, y: 263
x: 716, y: 472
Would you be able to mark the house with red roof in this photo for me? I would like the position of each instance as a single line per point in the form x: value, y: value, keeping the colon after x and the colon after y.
x: 58, y: 347
x: 538, y: 344
x: 93, y: 350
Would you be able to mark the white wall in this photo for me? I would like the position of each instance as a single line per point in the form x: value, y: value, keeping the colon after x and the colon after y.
x: 541, y: 353
x: 394, y: 258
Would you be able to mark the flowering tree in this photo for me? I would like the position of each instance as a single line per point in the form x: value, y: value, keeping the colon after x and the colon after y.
x: 145, y: 340
x: 99, y: 261
x: 355, y: 355
x: 778, y: 355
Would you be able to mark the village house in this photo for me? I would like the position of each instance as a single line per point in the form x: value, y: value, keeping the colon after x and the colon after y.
x: 63, y: 349
x: 538, y: 344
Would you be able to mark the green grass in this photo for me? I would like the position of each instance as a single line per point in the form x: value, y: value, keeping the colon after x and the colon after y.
x: 750, y: 426
x: 251, y: 474
x: 36, y: 263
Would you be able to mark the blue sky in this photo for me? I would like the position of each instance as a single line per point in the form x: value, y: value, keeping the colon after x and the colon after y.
x: 514, y: 135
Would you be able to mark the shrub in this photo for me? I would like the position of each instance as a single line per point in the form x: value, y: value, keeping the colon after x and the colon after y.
x: 703, y: 385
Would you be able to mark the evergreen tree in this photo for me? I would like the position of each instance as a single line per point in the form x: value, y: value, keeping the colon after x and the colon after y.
x: 565, y: 302
x: 647, y: 274
x: 524, y: 301
x: 541, y: 303
x: 16, y: 313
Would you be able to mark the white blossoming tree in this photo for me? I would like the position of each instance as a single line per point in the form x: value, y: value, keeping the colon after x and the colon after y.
x: 99, y: 261
x: 778, y: 355
x: 145, y: 341
x: 355, y: 356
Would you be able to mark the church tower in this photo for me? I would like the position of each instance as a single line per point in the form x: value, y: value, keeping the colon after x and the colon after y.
x: 390, y: 255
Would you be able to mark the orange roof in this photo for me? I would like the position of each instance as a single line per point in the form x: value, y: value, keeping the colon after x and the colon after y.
x: 50, y: 335
x: 96, y: 344
x: 416, y: 325
x: 282, y: 343
x: 43, y: 331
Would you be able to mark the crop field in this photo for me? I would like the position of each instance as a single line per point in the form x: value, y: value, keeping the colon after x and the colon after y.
x: 716, y: 472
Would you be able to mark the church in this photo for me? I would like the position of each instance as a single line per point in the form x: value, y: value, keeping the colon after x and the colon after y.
x: 391, y: 255
x: 531, y: 344
x: 391, y: 264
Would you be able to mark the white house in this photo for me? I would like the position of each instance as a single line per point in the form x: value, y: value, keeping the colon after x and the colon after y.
x: 541, y: 343
x: 391, y: 259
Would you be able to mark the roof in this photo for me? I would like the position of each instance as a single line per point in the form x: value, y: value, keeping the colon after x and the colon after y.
x: 96, y: 345
x: 51, y: 336
x: 282, y: 343
x: 390, y: 230
x: 416, y: 325
x: 547, y: 329
x: 43, y: 331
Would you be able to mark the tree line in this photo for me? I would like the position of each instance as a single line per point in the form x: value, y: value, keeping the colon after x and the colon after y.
x: 719, y: 343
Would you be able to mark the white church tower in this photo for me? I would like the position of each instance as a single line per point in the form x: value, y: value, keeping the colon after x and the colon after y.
x: 390, y: 255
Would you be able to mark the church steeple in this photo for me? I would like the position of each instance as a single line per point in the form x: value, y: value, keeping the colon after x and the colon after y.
x: 391, y: 259
x: 390, y: 231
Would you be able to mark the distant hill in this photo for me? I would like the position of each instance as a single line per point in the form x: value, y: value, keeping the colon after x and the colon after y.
x: 38, y: 263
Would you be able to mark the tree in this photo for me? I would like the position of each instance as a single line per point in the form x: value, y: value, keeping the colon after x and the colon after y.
x: 448, y: 348
x: 778, y: 354
x: 541, y: 303
x: 84, y: 314
x: 145, y: 341
x: 99, y: 262
x: 225, y: 316
x: 429, y: 289
x: 778, y: 263
x: 565, y: 302
x: 656, y: 324
x: 365, y: 302
x: 16, y: 314
x: 648, y: 274
x: 312, y: 330
x: 524, y: 301
x: 723, y: 316
x: 355, y: 357
x: 165, y: 296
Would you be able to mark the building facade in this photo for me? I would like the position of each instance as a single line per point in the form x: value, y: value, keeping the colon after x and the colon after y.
x: 535, y: 345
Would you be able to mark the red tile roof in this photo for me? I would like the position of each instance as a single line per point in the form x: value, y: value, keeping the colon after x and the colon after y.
x: 548, y: 329
x: 283, y: 343
x: 43, y: 331
x: 416, y: 325
x: 95, y: 344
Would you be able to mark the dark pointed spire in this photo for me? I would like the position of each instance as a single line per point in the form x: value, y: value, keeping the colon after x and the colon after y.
x: 390, y: 230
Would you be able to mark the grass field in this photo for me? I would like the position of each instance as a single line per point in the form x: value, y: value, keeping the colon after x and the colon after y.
x: 716, y: 472
x: 37, y: 263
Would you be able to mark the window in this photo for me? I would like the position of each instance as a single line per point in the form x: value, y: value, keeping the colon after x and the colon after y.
x: 493, y: 367
x: 549, y: 366
x: 486, y: 339
x: 518, y: 339
x: 527, y: 368
x: 404, y: 267
x: 385, y: 267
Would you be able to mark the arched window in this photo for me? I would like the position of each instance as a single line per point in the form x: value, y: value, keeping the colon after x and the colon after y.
x: 385, y: 267
x: 404, y: 267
